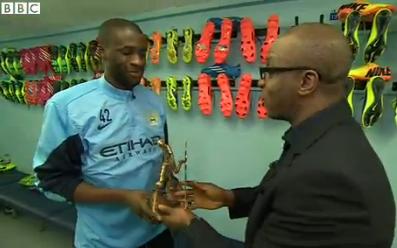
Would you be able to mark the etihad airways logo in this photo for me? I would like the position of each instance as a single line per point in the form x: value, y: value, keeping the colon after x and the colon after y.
x: 130, y: 148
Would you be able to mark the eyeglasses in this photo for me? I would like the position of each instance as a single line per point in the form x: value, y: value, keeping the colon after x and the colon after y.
x: 265, y: 72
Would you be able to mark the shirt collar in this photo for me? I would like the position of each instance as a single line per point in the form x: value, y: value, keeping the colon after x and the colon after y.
x: 307, y: 132
x: 116, y: 92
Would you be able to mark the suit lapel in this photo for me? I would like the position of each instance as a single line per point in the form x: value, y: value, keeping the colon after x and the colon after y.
x: 265, y: 196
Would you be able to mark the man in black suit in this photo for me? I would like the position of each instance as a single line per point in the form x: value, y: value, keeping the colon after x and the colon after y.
x: 328, y: 188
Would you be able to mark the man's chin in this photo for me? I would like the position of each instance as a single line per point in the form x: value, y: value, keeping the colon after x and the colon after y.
x: 134, y: 80
x: 272, y: 115
x: 276, y: 117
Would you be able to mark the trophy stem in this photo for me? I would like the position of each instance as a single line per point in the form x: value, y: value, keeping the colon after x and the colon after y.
x: 168, y: 178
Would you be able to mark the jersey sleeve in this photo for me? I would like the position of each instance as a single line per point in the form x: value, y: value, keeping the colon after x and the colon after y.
x: 57, y: 160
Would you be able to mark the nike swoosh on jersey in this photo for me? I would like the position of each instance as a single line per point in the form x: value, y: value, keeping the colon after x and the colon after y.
x: 100, y: 127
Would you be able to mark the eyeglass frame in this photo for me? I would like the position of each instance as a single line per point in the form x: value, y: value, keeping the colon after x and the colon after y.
x: 270, y: 69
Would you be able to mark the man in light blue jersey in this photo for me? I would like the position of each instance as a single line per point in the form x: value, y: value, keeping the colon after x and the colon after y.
x: 98, y: 147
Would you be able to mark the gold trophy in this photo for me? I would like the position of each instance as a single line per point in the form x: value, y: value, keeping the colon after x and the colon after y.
x: 168, y: 180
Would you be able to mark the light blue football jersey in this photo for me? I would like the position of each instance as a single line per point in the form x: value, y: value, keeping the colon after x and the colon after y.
x: 107, y: 137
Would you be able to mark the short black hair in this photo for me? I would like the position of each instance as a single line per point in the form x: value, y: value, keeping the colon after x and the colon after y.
x: 106, y: 28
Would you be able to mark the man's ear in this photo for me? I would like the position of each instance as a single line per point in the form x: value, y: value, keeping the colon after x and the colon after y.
x: 309, y: 83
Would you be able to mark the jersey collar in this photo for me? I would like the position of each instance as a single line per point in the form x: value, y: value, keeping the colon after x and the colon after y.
x: 116, y: 92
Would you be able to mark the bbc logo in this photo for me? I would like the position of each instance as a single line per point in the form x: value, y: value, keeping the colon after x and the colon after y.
x: 20, y: 8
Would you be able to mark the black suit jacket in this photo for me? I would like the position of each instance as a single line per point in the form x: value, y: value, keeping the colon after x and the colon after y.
x: 328, y: 189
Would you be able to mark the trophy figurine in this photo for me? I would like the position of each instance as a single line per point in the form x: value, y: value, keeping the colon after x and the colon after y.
x: 168, y: 180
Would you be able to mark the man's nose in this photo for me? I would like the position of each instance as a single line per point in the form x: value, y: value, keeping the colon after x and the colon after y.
x: 137, y: 60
